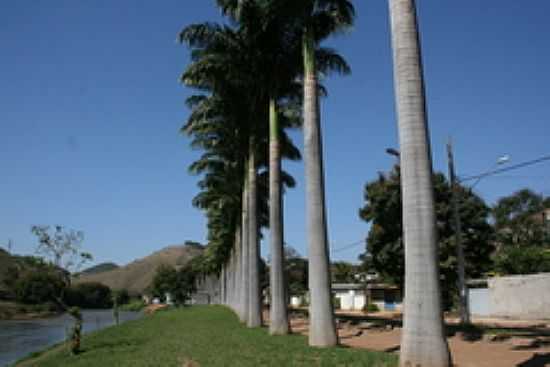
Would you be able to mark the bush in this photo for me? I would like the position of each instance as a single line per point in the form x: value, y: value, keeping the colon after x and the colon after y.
x: 89, y: 295
x: 336, y: 302
x: 134, y: 305
x: 122, y: 297
x: 371, y: 307
x: 38, y: 287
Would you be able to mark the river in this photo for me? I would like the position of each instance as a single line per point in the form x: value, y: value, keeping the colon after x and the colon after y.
x: 20, y: 338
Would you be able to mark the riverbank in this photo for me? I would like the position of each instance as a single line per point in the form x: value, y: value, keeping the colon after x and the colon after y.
x: 201, y: 336
x: 19, y: 338
x: 18, y: 311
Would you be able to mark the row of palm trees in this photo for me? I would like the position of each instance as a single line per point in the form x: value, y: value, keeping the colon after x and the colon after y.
x: 258, y: 76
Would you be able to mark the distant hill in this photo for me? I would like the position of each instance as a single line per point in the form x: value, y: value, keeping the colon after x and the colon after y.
x: 137, y: 275
x: 100, y: 268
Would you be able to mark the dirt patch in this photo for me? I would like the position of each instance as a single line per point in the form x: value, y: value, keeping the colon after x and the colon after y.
x: 151, y: 309
x: 484, y: 352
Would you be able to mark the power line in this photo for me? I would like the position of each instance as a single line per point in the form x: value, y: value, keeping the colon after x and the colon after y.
x: 506, y: 169
x: 348, y: 246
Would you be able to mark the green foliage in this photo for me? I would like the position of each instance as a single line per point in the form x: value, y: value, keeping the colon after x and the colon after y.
x: 336, y: 303
x: 210, y: 336
x: 238, y: 69
x: 371, y: 307
x: 384, y: 242
x: 519, y: 220
x: 121, y: 296
x: 344, y: 272
x: 178, y: 283
x: 38, y: 287
x: 91, y: 295
x: 18, y: 268
x: 296, y: 269
x: 133, y: 305
x: 522, y: 260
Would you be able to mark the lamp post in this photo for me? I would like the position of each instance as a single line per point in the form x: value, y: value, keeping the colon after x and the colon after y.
x: 454, y: 182
x: 462, y: 291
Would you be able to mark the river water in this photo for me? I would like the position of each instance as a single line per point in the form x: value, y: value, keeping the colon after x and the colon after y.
x: 20, y: 338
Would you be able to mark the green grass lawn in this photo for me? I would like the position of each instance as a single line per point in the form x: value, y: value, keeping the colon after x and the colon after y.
x: 209, y: 336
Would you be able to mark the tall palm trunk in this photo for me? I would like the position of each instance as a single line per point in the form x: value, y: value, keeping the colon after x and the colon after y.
x: 231, y: 286
x: 222, y: 284
x: 322, y: 330
x: 423, y: 342
x: 278, y: 314
x: 254, y: 306
x: 238, y: 269
x: 245, y: 284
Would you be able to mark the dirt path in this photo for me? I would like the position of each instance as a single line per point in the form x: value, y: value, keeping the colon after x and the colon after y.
x: 511, y: 352
x: 479, y: 353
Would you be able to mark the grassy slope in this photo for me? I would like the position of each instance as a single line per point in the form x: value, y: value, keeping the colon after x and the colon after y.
x: 209, y: 336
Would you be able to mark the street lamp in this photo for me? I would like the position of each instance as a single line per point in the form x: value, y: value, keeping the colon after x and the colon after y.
x: 462, y: 289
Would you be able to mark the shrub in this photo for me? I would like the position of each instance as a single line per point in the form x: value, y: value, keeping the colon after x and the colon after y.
x: 89, y: 295
x: 336, y: 302
x: 38, y: 287
x: 371, y: 307
x: 134, y: 305
x: 122, y: 297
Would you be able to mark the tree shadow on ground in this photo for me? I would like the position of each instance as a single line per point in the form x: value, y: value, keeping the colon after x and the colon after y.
x: 538, y: 360
x: 393, y: 349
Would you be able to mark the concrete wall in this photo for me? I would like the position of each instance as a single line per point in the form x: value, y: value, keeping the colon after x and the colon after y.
x: 521, y: 296
x: 479, y: 302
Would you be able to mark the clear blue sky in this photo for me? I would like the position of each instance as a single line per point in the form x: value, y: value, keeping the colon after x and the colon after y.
x: 90, y: 109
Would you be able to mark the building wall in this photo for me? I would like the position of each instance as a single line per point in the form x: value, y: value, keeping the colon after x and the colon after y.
x: 479, y: 302
x: 355, y: 300
x: 521, y: 296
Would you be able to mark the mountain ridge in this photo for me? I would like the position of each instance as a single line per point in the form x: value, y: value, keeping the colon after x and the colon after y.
x: 137, y: 275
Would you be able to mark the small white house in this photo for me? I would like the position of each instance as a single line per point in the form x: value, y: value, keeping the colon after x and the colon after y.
x: 296, y: 301
x: 352, y: 296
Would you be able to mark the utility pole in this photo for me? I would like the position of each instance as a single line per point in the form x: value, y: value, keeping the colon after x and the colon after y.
x: 462, y: 290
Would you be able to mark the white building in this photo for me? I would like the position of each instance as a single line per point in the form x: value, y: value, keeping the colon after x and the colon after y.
x: 352, y: 297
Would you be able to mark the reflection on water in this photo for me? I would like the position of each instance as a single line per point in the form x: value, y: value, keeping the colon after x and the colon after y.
x: 19, y: 338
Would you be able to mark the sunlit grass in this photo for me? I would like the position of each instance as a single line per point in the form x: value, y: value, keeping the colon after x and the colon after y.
x: 208, y: 336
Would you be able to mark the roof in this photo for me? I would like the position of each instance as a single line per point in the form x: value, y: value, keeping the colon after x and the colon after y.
x: 359, y: 286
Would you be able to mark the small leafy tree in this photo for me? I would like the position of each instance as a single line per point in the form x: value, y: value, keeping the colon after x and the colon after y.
x: 385, y: 250
x: 62, y: 248
x: 296, y: 268
x: 180, y: 284
x: 344, y: 272
x: 519, y: 220
x: 89, y: 295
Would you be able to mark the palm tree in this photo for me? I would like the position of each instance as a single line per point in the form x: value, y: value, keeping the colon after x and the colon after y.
x: 222, y: 60
x: 285, y: 24
x: 423, y: 341
x: 320, y: 20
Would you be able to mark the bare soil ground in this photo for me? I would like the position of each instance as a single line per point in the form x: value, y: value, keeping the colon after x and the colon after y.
x: 506, y: 349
